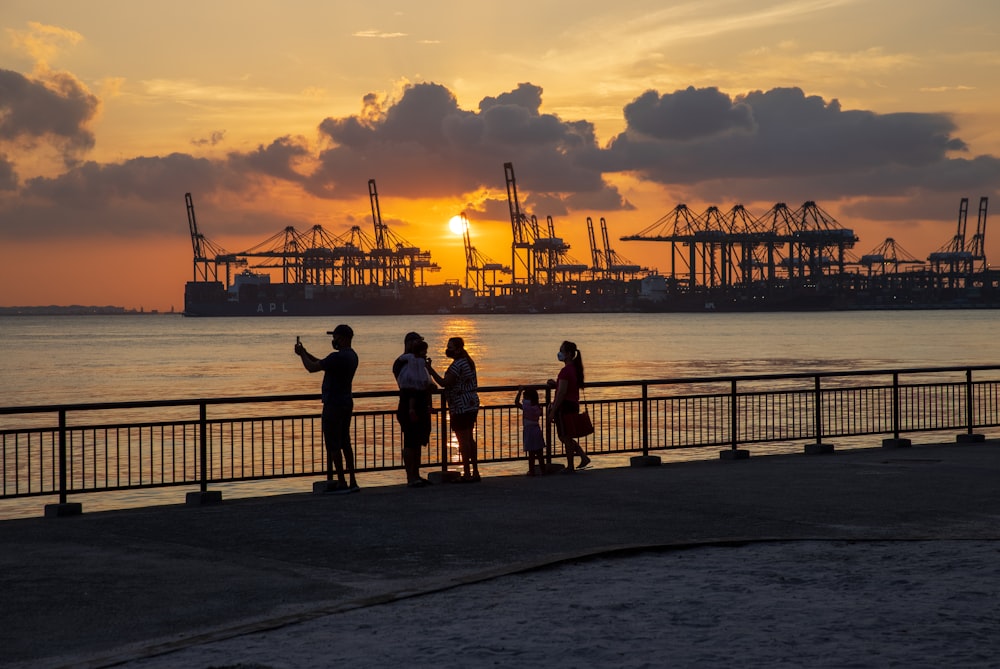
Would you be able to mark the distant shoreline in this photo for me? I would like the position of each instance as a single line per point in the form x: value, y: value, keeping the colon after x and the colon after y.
x: 79, y: 310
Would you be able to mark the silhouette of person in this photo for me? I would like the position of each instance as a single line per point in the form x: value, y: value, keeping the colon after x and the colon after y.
x: 414, y: 410
x: 567, y: 400
x: 338, y: 405
x: 461, y: 390
x: 531, y: 438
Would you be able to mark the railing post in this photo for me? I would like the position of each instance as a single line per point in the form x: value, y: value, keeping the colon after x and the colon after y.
x: 62, y: 456
x: 63, y: 508
x: 818, y: 447
x: 895, y: 441
x: 644, y: 460
x: 734, y: 452
x: 203, y: 445
x: 734, y: 419
x: 443, y: 440
x: 644, y: 420
x: 895, y: 405
x: 548, y: 428
x: 204, y: 495
x: 968, y: 400
x: 969, y: 436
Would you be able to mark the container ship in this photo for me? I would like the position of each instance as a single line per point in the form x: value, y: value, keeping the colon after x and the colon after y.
x: 783, y: 260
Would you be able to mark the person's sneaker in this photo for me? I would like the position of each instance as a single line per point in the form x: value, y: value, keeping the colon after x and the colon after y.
x: 344, y: 490
x: 584, y: 463
x: 418, y: 483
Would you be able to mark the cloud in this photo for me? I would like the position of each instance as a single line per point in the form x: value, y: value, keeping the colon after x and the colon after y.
x: 8, y: 175
x: 689, y: 114
x: 377, y: 34
x: 705, y: 145
x: 57, y: 108
x: 43, y: 42
x: 277, y: 160
x: 150, y: 179
x: 424, y: 145
x: 783, y: 138
x: 214, y: 138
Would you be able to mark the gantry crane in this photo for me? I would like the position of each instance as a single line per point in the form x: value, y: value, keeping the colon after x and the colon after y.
x: 477, y: 265
x: 887, y: 257
x: 607, y: 264
x: 207, y: 256
x: 523, y: 233
x: 618, y: 268
x: 952, y: 263
x: 978, y: 246
x: 598, y: 263
x: 723, y: 249
x: 394, y: 261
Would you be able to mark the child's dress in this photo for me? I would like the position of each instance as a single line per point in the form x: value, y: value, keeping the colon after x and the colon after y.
x: 530, y: 415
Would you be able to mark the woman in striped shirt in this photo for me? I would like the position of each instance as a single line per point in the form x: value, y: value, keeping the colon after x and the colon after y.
x: 460, y: 389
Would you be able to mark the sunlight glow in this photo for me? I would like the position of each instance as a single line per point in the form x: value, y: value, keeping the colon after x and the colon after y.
x: 457, y: 225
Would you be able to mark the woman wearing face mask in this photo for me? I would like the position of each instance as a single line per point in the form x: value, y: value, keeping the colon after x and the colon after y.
x: 567, y: 400
x: 461, y: 390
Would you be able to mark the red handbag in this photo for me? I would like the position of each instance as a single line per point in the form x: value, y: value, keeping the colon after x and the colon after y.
x: 577, y: 425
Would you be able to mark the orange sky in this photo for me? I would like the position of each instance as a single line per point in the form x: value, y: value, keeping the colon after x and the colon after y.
x: 275, y: 115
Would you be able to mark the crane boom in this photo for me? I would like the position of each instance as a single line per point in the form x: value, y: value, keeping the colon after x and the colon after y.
x: 979, y: 240
x: 196, y: 245
x: 376, y: 216
x: 595, y: 253
x: 963, y: 217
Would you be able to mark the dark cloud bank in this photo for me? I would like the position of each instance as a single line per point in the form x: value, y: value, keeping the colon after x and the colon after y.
x: 764, y: 146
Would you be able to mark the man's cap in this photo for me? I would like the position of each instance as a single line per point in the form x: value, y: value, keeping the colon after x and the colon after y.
x: 342, y: 329
x: 412, y: 336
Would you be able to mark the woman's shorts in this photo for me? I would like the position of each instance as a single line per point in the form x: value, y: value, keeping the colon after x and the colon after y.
x: 464, y: 421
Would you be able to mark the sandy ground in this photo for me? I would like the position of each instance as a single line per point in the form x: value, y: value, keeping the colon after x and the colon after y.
x: 787, y: 604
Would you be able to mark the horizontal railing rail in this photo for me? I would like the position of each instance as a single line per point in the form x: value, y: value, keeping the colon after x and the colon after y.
x: 71, y: 449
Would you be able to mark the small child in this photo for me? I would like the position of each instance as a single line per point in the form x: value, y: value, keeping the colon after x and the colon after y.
x: 534, y: 442
x: 414, y: 375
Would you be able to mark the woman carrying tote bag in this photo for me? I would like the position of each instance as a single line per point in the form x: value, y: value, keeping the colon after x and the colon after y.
x: 566, y: 405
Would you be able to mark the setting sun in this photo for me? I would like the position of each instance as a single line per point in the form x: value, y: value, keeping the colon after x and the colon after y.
x: 457, y: 225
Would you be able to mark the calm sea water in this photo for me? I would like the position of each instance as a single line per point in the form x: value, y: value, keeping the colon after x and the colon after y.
x: 70, y: 359
x: 61, y: 359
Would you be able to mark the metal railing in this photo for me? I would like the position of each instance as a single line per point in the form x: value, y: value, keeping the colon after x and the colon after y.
x: 80, y: 448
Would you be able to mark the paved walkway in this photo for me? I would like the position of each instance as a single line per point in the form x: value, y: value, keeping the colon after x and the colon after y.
x: 104, y: 588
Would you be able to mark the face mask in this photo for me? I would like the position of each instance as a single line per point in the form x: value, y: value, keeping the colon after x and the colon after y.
x: 561, y: 356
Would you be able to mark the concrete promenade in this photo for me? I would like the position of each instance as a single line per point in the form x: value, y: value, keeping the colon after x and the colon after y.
x: 110, y: 587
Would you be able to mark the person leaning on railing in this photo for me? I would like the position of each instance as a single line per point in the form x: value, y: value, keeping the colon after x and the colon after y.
x: 461, y: 388
x: 414, y: 410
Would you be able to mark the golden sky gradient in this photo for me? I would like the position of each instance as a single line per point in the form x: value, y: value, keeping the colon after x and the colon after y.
x: 277, y: 113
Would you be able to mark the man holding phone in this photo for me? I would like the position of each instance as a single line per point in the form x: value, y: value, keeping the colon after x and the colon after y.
x: 338, y: 405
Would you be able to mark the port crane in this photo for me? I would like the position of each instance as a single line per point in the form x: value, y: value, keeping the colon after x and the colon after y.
x: 952, y: 263
x: 955, y: 263
x: 477, y: 265
x: 524, y: 232
x: 394, y: 261
x: 979, y: 239
x: 606, y: 263
x: 887, y: 258
x: 716, y: 249
x: 207, y: 255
